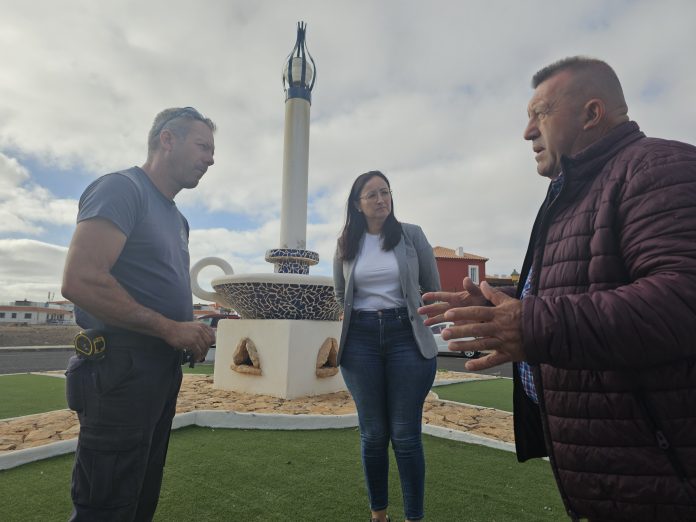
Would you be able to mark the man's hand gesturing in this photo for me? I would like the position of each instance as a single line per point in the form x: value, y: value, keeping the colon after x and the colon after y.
x: 497, y: 329
x: 470, y: 296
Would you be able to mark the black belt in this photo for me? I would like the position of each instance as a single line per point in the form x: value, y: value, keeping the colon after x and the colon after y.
x: 136, y: 341
x: 386, y: 313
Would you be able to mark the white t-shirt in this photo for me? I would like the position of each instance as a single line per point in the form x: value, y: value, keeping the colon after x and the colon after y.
x: 376, y: 277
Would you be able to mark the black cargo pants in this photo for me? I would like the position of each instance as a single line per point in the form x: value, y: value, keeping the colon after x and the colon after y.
x: 125, y: 404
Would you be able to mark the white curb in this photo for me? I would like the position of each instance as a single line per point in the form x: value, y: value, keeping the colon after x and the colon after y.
x: 461, y: 436
x: 251, y: 421
x: 271, y: 421
x: 203, y: 418
x: 12, y: 459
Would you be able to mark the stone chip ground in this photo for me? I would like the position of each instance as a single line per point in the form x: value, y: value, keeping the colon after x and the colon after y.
x: 197, y: 393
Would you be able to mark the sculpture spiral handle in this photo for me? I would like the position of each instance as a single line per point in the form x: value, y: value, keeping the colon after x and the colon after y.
x: 200, y: 265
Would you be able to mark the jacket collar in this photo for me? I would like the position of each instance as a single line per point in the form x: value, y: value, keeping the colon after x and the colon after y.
x: 592, y: 158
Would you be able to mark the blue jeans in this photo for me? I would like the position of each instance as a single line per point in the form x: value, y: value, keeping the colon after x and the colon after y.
x: 389, y: 380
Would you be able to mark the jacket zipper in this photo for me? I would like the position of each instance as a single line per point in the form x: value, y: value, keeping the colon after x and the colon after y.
x: 544, y: 220
x: 660, y: 437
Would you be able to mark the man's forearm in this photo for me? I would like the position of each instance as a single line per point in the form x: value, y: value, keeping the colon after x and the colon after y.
x: 104, y: 298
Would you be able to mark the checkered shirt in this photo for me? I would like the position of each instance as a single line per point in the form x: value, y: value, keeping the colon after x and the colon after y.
x: 523, y: 367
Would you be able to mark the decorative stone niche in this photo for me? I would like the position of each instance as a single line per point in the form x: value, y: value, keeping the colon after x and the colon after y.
x: 326, y: 358
x: 246, y: 358
x: 283, y: 359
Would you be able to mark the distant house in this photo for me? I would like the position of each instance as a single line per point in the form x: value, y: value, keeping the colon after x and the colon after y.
x: 62, y: 312
x: 455, y: 265
x: 29, y: 312
x: 64, y: 304
x: 500, y: 281
x: 201, y: 309
x: 510, y: 280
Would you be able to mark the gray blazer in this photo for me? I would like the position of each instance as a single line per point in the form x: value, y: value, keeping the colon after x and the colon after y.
x: 417, y: 273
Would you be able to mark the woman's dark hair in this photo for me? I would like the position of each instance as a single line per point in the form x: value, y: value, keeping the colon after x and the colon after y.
x: 356, y: 225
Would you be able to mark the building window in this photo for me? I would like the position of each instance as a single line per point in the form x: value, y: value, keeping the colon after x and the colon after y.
x: 14, y: 315
x: 27, y: 316
x: 2, y: 315
x: 474, y: 273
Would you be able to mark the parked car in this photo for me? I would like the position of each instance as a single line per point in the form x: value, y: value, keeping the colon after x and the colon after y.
x: 212, y: 320
x: 442, y: 348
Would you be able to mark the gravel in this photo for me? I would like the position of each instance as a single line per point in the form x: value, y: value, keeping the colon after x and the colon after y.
x: 37, y: 335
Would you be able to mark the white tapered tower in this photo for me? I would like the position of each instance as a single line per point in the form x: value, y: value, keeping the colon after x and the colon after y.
x: 299, y: 75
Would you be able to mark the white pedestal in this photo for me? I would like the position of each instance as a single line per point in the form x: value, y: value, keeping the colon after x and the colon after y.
x: 287, y: 354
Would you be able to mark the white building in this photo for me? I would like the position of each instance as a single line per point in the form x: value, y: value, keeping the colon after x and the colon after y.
x: 29, y: 312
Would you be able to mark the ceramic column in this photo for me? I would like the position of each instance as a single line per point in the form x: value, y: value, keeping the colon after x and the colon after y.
x: 299, y: 74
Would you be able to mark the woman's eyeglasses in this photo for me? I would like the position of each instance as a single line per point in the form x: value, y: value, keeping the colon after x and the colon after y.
x: 372, y: 196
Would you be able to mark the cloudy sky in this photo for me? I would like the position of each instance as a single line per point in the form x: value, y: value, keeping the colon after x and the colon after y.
x: 434, y: 94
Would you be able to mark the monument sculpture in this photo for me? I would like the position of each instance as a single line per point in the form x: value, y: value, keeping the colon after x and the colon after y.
x: 285, y: 344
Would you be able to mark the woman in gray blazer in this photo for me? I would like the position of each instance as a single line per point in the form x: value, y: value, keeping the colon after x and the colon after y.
x: 387, y: 356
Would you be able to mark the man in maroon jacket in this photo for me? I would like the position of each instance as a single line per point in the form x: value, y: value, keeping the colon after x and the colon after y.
x: 603, y: 329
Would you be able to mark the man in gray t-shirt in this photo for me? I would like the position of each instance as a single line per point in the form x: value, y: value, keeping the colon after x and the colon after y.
x: 127, y: 273
x: 153, y: 266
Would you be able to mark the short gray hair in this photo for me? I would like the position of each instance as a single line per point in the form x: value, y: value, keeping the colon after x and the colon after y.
x: 575, y: 64
x: 177, y: 120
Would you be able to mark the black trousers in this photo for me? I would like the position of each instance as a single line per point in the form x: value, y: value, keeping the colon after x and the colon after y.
x: 125, y: 404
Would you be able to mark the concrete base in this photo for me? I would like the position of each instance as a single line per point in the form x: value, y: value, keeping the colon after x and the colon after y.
x: 286, y: 353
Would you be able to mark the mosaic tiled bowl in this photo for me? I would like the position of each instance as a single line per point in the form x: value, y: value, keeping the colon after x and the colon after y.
x: 279, y: 296
x: 269, y: 296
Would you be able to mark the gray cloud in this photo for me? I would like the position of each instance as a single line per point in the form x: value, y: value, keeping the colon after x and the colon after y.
x: 434, y: 94
x: 30, y: 269
x: 25, y: 206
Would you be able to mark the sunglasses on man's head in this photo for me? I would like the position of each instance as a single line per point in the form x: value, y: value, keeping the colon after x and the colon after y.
x: 190, y: 111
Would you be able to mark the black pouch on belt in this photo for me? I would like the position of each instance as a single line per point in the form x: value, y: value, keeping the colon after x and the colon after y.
x: 74, y: 383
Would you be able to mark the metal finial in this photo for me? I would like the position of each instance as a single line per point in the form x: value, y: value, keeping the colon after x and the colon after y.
x: 299, y: 72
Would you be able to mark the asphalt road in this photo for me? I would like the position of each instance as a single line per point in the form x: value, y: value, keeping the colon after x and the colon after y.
x: 45, y: 359
x: 34, y: 359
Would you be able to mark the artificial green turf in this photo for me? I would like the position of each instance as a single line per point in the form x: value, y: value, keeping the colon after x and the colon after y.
x: 257, y: 475
x: 200, y: 369
x: 493, y: 393
x: 25, y: 394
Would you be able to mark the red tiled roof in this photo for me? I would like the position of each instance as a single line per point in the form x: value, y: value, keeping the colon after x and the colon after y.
x: 450, y: 253
x: 57, y: 311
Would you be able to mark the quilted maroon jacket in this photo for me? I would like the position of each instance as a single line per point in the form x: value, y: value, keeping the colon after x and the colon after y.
x: 611, y: 325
